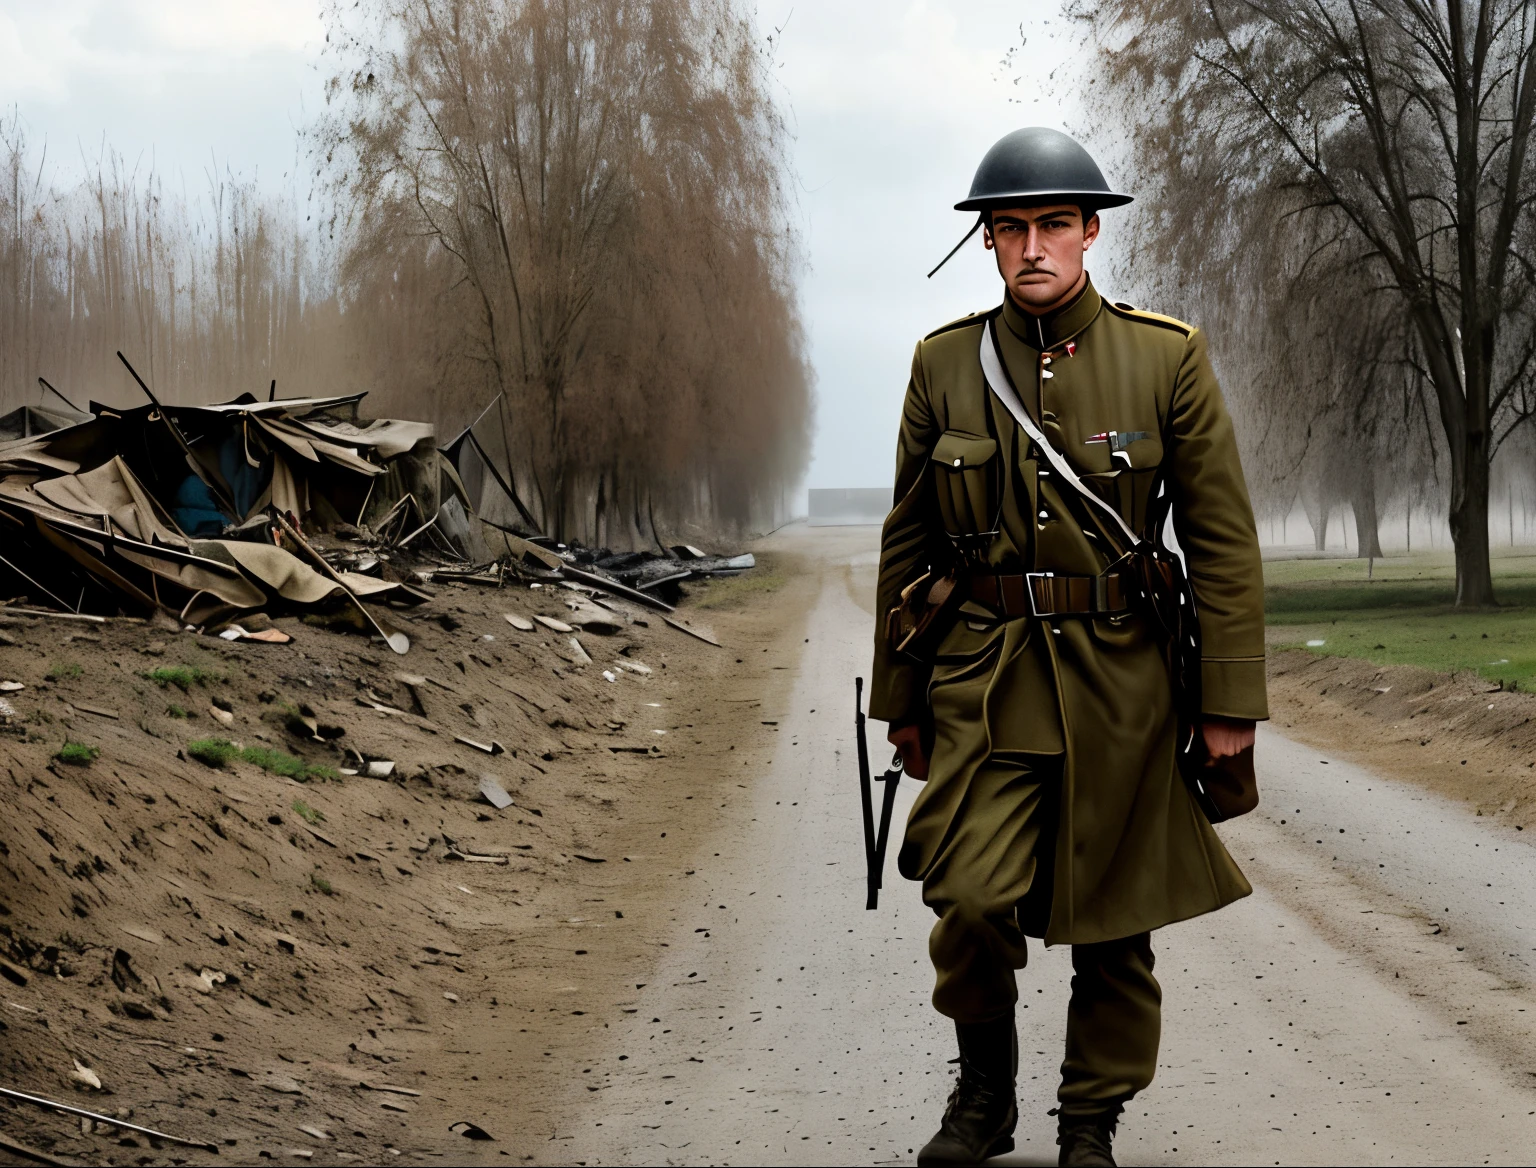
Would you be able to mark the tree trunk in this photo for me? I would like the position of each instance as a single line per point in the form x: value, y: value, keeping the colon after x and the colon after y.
x: 1469, y: 528
x: 1367, y: 533
x: 1319, y: 529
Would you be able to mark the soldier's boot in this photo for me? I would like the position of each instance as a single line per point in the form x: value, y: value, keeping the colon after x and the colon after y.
x: 1086, y: 1140
x: 982, y: 1112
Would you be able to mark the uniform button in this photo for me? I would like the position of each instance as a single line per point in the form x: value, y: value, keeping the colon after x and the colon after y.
x: 1045, y: 515
x: 1046, y: 373
x: 957, y: 462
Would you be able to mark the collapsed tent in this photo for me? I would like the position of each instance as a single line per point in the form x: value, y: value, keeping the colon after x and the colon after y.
x: 30, y: 421
x: 206, y: 511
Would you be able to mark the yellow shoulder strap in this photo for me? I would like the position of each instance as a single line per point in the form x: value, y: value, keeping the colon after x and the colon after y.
x: 1134, y: 313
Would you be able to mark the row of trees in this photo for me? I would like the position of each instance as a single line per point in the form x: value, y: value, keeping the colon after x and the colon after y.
x: 573, y: 209
x: 1343, y: 192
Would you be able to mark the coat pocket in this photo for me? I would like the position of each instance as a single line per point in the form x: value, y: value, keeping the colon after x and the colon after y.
x: 1129, y: 486
x: 967, y: 482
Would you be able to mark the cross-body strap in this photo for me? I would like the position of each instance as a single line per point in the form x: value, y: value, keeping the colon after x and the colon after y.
x: 998, y: 381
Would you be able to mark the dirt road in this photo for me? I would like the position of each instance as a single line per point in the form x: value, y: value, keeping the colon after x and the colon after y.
x: 1371, y: 1003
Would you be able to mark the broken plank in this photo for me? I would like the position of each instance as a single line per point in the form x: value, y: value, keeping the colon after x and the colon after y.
x: 707, y: 637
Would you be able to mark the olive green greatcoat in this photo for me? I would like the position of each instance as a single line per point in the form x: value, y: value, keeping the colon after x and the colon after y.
x: 1132, y: 850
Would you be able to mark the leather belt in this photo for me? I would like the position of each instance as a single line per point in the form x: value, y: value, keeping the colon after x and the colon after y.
x: 1046, y: 594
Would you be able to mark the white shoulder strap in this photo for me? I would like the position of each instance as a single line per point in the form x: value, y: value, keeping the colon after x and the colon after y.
x: 998, y: 381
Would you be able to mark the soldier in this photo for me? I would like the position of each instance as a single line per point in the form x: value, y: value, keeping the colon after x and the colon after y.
x: 1043, y: 719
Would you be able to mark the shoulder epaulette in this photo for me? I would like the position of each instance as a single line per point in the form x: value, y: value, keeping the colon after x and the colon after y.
x: 1131, y: 312
x: 968, y: 318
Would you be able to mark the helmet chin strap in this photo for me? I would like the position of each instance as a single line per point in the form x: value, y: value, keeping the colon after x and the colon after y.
x: 980, y: 219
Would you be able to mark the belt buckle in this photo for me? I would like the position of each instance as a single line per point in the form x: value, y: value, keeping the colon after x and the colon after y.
x: 1029, y: 587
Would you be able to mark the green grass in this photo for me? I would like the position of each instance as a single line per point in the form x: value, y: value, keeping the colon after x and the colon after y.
x: 77, y: 754
x: 220, y: 752
x: 214, y: 752
x: 183, y: 677
x: 63, y: 671
x: 322, y: 885
x: 307, y: 813
x: 1404, y: 614
x: 176, y: 711
x: 276, y: 761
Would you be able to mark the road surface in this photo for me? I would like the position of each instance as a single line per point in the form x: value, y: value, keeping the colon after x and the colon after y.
x: 1370, y: 1003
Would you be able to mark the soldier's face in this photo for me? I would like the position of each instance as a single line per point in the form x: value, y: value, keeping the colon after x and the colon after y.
x: 1040, y: 252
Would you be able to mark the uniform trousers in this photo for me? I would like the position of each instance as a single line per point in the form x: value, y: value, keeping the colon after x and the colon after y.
x: 984, y: 854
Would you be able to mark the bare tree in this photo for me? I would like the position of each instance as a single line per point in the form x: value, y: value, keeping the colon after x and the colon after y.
x: 1404, y: 126
x: 603, y: 180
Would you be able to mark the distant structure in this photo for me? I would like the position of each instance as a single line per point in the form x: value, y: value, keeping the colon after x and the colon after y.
x: 849, y: 506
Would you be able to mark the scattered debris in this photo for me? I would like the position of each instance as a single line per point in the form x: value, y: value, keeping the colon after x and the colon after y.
x: 521, y: 623
x: 143, y: 933
x: 475, y: 857
x: 207, y: 979
x: 86, y: 1077
x: 265, y: 636
x: 110, y: 1121
x: 95, y: 710
x: 550, y: 622
x: 469, y: 1131
x: 389, y: 1087
x: 494, y: 793
x: 35, y: 1155
x: 492, y: 748
x: 380, y: 768
x: 702, y: 634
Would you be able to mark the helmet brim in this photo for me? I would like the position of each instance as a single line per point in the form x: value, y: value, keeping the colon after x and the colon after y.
x: 1094, y: 200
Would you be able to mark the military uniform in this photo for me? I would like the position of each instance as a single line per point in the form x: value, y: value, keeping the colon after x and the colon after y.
x: 1053, y: 807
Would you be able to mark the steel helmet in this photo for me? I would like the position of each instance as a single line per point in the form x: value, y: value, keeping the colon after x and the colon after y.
x: 1032, y: 166
x: 1035, y: 165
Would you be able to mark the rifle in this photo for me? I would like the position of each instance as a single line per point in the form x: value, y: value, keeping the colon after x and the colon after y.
x: 874, y: 842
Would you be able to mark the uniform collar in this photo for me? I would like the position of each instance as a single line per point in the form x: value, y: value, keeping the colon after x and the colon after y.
x: 1046, y: 332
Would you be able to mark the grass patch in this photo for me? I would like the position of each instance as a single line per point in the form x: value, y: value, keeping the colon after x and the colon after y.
x: 64, y: 671
x: 321, y: 884
x: 738, y: 591
x: 330, y: 774
x: 220, y: 752
x: 1403, y: 614
x: 275, y: 761
x: 307, y: 813
x: 183, y: 677
x: 175, y: 711
x: 77, y: 754
x: 214, y: 752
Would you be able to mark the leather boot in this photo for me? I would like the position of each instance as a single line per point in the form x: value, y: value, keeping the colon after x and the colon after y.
x: 1085, y: 1140
x: 982, y: 1111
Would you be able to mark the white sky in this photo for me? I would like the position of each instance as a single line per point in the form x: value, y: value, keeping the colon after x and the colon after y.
x: 892, y: 103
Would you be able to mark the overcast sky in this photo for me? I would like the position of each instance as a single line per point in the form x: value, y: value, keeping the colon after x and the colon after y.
x: 892, y: 104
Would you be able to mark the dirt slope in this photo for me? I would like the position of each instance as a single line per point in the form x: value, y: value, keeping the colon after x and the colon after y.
x: 1459, y: 735
x: 287, y: 968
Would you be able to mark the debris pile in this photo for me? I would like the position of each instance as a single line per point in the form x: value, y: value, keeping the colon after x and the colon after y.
x: 219, y: 517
